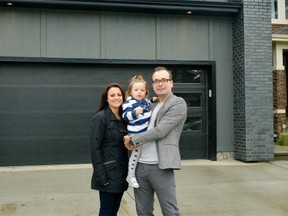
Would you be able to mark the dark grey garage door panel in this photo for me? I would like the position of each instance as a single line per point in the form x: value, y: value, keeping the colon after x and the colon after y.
x: 46, y: 110
x: 47, y: 99
x: 44, y: 124
x: 43, y: 150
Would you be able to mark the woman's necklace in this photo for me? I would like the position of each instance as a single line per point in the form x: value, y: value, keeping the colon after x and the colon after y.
x: 117, y: 116
x: 115, y: 112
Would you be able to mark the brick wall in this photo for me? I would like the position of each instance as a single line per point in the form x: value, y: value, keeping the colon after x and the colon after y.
x: 279, y: 99
x: 253, y: 103
x: 239, y: 86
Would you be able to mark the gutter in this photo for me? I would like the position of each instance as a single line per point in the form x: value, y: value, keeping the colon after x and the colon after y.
x: 229, y: 8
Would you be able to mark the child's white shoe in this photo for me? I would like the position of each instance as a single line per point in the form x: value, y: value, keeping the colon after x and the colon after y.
x: 132, y: 181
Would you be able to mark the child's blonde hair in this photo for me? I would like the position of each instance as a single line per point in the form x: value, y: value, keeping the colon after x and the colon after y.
x: 136, y: 79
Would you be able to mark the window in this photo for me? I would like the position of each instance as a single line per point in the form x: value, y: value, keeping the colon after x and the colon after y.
x: 279, y: 11
x: 187, y: 75
x: 192, y: 99
x: 193, y: 124
x: 274, y: 9
x: 286, y: 9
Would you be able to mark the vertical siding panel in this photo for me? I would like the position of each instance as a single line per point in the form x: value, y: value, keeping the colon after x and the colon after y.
x: 222, y: 53
x: 130, y: 36
x: 43, y: 33
x: 73, y: 34
x: 20, y: 32
x: 183, y: 38
x: 103, y: 36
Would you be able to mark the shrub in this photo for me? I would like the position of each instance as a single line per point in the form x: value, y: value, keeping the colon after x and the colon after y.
x: 283, y: 139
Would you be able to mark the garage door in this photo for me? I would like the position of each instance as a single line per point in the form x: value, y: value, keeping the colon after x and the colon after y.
x: 45, y: 109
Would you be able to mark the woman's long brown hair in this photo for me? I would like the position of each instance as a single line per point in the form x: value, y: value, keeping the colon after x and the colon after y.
x: 103, y: 103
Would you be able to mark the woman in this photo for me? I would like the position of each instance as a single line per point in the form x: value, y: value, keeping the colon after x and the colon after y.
x: 108, y: 153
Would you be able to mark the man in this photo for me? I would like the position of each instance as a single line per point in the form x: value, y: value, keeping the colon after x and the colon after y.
x: 160, y: 149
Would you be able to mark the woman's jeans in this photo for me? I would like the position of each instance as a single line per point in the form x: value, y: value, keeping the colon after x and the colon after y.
x: 109, y: 203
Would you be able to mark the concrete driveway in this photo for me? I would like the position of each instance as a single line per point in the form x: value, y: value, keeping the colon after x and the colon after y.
x: 204, y: 188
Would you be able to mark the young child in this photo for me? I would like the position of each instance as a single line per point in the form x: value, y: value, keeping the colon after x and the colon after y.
x: 137, y: 114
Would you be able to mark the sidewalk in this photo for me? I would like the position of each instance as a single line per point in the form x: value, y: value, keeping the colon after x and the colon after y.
x: 204, y: 188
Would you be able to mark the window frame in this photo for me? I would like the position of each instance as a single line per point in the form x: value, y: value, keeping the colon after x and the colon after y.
x: 281, y: 12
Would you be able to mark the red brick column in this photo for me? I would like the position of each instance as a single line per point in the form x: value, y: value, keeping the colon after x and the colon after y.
x: 279, y: 99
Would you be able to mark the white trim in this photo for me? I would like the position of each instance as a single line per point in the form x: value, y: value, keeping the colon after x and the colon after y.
x: 279, y: 111
x: 279, y: 37
x: 278, y: 47
x: 279, y: 22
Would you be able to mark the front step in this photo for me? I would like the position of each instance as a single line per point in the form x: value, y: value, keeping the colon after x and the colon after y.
x: 281, y: 156
x: 280, y: 152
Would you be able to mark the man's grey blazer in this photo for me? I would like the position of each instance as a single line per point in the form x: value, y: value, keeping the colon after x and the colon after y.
x: 168, y: 127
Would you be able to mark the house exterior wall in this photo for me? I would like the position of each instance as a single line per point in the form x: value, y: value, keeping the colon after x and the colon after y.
x: 243, y: 68
x: 107, y: 35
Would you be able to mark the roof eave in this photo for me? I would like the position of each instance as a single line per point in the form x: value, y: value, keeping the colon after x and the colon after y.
x: 137, y: 6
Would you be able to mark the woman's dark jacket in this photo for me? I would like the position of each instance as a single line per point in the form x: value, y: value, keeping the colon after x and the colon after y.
x: 108, y: 153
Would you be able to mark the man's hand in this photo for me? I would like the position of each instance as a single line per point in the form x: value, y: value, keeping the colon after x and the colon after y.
x: 155, y: 99
x: 126, y: 143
